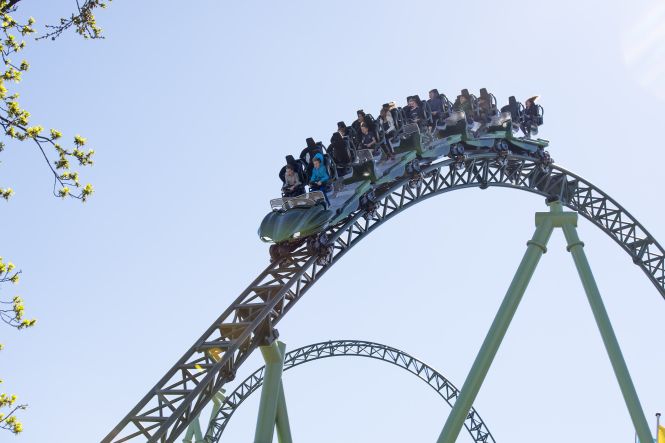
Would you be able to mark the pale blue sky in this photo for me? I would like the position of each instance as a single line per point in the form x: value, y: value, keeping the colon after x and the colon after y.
x: 191, y: 111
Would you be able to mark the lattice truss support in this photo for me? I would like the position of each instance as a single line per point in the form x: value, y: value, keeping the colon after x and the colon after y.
x: 249, y: 322
x: 473, y: 423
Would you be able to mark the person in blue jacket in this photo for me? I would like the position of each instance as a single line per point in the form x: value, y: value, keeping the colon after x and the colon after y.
x: 320, y: 178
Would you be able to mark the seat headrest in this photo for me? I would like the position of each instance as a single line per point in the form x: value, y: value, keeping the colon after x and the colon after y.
x: 310, y: 142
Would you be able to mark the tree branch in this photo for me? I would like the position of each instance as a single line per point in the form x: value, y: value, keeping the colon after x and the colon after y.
x: 10, y: 4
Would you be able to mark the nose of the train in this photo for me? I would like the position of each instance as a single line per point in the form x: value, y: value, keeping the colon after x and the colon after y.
x: 278, y: 226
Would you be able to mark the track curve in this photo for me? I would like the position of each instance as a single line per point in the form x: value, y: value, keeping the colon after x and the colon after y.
x: 350, y: 348
x: 167, y: 409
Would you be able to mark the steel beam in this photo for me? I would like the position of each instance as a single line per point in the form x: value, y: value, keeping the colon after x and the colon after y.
x: 576, y: 248
x: 282, y: 418
x: 194, y: 434
x: 536, y: 247
x: 272, y: 397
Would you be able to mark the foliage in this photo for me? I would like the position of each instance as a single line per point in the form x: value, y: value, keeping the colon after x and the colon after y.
x: 59, y: 156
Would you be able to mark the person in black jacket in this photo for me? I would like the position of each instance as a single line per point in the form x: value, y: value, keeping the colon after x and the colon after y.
x: 414, y: 111
x: 339, y: 150
x: 435, y: 104
x: 346, y: 132
x: 362, y: 119
x: 530, y: 116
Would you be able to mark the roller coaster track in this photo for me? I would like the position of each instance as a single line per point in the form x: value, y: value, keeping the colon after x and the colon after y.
x: 249, y: 321
x: 351, y: 348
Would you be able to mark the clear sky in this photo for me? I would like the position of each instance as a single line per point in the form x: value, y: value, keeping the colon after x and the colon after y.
x: 191, y: 110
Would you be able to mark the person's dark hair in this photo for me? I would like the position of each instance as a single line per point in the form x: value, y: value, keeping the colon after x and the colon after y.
x: 341, y: 125
x: 360, y: 112
x: 290, y: 167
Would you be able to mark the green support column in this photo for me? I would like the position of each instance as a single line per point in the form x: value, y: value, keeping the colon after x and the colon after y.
x: 536, y: 247
x: 272, y: 395
x: 194, y: 434
x: 282, y: 417
x: 576, y: 248
x: 545, y: 223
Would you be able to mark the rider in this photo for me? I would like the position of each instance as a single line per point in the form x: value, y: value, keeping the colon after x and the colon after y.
x: 530, y: 116
x: 463, y: 104
x: 338, y: 150
x: 320, y: 178
x: 368, y: 139
x: 413, y: 111
x: 362, y: 118
x: 484, y: 109
x: 387, y: 121
x: 435, y: 104
x: 347, y: 132
x: 292, y: 186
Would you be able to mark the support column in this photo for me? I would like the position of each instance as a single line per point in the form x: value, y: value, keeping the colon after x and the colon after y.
x: 282, y: 417
x: 536, y: 247
x: 194, y: 434
x: 545, y: 223
x: 272, y: 395
x: 576, y: 248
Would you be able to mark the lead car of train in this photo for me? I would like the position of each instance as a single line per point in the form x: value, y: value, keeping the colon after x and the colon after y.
x: 356, y: 175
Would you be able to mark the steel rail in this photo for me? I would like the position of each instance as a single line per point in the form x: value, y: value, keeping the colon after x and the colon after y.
x: 350, y: 348
x: 167, y: 409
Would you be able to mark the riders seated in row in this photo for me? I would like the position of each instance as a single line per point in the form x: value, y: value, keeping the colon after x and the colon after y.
x: 377, y: 135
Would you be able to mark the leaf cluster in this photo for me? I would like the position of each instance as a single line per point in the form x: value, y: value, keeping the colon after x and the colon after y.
x: 12, y: 314
x: 16, y: 121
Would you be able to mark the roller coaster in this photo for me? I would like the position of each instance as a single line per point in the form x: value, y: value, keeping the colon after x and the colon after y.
x: 436, y: 157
